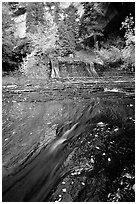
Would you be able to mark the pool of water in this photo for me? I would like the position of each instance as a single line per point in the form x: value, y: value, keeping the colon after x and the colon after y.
x: 72, y: 143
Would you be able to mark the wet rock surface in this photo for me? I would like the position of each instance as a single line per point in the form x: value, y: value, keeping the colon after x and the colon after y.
x: 69, y: 142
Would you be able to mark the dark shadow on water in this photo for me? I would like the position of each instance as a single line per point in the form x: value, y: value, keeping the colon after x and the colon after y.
x: 93, y: 154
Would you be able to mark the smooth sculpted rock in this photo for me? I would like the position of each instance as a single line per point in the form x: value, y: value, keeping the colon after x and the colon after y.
x: 36, y: 178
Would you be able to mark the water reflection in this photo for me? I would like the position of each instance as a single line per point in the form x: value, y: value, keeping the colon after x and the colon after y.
x: 84, y: 130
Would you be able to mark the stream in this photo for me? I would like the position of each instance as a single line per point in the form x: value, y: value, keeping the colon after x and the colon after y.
x: 69, y: 141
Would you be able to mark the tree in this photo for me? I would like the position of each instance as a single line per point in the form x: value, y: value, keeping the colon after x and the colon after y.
x: 89, y: 25
x: 68, y: 31
x: 8, y: 39
x: 129, y: 50
x: 41, y: 32
x: 35, y: 15
x: 56, y: 11
x: 63, y: 45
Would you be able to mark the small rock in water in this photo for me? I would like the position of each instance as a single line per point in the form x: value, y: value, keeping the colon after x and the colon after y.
x: 116, y: 129
x: 92, y: 160
x: 131, y: 105
x: 109, y: 195
x: 11, y: 86
x: 59, y: 199
x: 109, y: 159
x: 64, y: 190
x: 101, y: 124
x: 127, y: 176
x: 133, y: 187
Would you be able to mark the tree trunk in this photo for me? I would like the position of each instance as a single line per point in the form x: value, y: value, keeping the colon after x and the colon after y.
x: 92, y: 70
x: 96, y: 42
x: 55, y: 68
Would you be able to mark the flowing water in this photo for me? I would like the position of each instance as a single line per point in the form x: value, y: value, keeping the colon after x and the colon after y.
x: 69, y: 142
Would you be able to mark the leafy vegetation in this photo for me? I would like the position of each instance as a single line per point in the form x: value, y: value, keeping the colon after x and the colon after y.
x: 43, y: 39
x: 8, y: 40
x: 128, y: 53
x: 56, y: 31
x: 90, y: 27
x: 120, y: 52
x: 68, y: 32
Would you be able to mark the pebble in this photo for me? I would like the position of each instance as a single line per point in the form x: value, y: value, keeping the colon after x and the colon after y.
x: 127, y: 176
x: 101, y: 124
x: 64, y: 190
x: 92, y: 160
x: 116, y: 129
x: 83, y: 183
x: 11, y: 86
x: 59, y: 199
x: 6, y: 139
x: 133, y: 187
x: 109, y: 195
x: 109, y: 159
x: 103, y: 154
x: 97, y: 147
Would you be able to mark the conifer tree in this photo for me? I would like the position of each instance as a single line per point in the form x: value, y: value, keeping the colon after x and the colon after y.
x: 68, y: 31
x: 89, y: 25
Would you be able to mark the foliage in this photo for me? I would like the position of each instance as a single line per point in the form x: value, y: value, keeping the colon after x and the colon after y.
x: 63, y: 44
x: 53, y: 30
x: 56, y: 11
x: 68, y: 32
x: 113, y: 40
x: 43, y: 41
x: 89, y: 25
x: 109, y: 56
x: 35, y: 15
x: 116, y: 50
x: 129, y: 27
x: 8, y: 39
x: 128, y: 53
